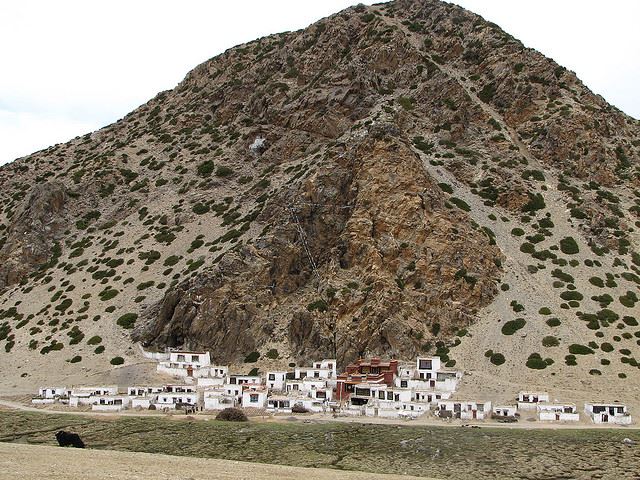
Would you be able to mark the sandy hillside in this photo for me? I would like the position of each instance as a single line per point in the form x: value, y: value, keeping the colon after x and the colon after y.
x: 43, y: 462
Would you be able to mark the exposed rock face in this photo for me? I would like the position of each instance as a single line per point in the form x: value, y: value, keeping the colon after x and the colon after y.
x: 32, y: 232
x: 372, y: 217
x: 356, y: 187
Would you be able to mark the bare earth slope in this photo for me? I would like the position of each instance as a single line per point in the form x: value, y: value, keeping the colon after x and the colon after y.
x: 394, y: 179
x: 30, y: 462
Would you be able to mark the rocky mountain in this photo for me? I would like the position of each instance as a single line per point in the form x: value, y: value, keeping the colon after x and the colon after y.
x: 393, y: 179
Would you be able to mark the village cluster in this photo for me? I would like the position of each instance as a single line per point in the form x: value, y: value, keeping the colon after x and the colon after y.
x: 370, y: 387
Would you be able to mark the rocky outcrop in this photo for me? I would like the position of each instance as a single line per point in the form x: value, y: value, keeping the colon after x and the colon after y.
x: 30, y: 240
x: 363, y: 255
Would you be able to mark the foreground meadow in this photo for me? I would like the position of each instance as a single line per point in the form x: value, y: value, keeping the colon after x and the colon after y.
x: 461, y: 453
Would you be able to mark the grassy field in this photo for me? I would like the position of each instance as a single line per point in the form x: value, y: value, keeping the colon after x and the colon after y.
x: 460, y: 453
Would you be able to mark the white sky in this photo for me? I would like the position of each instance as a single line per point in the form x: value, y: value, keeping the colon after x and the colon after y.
x: 71, y: 66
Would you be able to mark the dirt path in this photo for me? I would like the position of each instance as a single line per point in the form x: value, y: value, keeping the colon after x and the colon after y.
x: 35, y: 462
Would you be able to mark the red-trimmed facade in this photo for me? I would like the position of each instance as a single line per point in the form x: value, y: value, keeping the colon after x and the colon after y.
x: 373, y: 370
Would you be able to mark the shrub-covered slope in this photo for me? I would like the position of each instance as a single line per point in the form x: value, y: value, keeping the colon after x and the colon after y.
x: 393, y: 179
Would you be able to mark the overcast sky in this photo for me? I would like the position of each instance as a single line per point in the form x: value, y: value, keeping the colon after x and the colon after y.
x: 72, y: 66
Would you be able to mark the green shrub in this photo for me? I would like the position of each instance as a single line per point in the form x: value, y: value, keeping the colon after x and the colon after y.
x: 107, y: 294
x: 527, y: 247
x: 597, y: 281
x: 517, y: 307
x: 76, y: 359
x: 319, y: 305
x: 544, y: 311
x: 200, y: 208
x: 95, y: 340
x: 445, y: 187
x: 127, y: 321
x: 273, y: 354
x: 536, y: 362
x: 99, y: 350
x: 116, y: 360
x: 536, y: 202
x: 171, y: 261
x: 571, y: 295
x: 553, y: 322
x: 497, y: 359
x: 151, y: 256
x: 550, y: 341
x: 512, y: 326
x: 607, y: 315
x: 461, y: 204
x: 606, y: 347
x: 487, y: 92
x: 223, y: 171
x: 577, y: 349
x: 629, y: 299
x: 407, y: 103
x: 252, y: 357
x: 565, y: 277
x: 568, y: 246
x: 231, y: 415
x: 205, y: 169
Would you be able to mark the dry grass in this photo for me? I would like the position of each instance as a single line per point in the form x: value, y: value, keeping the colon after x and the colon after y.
x: 459, y: 453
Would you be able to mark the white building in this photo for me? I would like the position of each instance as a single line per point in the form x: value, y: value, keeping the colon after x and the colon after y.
x: 219, y: 371
x: 109, y: 403
x: 234, y: 389
x: 254, y: 397
x: 427, y: 374
x: 143, y: 391
x: 279, y: 404
x: 207, y: 382
x: 48, y: 395
x: 52, y: 392
x: 427, y: 367
x: 144, y: 402
x: 615, y: 413
x: 505, y: 410
x: 174, y: 395
x: 320, y: 369
x: 529, y: 400
x: 82, y: 395
x: 245, y: 380
x: 557, y: 412
x: 312, y: 388
x: 276, y: 380
x: 143, y: 396
x: 218, y: 399
x: 186, y: 364
x: 464, y: 410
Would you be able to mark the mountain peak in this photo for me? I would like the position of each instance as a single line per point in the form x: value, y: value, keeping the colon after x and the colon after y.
x: 423, y: 183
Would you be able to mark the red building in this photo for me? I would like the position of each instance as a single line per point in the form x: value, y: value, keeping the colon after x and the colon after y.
x: 365, y: 371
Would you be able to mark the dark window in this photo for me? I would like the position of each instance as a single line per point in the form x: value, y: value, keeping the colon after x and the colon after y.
x: 425, y: 364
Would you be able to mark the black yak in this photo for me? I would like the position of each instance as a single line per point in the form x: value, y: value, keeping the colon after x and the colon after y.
x: 68, y: 439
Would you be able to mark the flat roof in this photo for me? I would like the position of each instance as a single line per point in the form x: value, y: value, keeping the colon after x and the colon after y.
x: 188, y: 351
